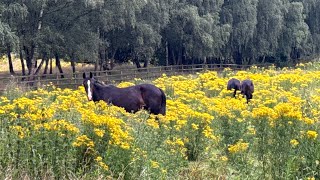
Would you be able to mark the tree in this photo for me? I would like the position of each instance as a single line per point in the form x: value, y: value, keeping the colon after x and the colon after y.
x: 270, y: 25
x: 10, y: 13
x: 312, y: 19
x: 242, y: 16
x: 295, y: 39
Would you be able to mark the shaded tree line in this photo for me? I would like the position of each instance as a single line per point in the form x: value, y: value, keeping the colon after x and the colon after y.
x: 160, y: 32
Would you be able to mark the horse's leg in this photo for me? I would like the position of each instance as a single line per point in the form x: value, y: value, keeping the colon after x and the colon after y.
x: 234, y: 93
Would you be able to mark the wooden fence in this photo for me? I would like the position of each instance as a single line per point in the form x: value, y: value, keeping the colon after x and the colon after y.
x: 114, y: 76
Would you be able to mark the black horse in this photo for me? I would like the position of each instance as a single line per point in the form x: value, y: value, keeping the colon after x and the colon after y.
x: 247, y: 89
x: 132, y: 98
x: 234, y: 84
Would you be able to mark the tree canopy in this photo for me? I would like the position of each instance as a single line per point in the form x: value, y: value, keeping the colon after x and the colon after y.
x: 105, y: 32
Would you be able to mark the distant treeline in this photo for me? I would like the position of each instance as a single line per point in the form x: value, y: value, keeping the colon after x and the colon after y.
x: 160, y: 32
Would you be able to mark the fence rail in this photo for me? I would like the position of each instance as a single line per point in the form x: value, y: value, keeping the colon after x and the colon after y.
x: 114, y: 76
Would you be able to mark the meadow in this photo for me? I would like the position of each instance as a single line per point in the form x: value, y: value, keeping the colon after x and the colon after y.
x: 53, y: 133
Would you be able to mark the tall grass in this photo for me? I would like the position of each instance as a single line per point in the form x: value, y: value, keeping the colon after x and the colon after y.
x: 53, y: 133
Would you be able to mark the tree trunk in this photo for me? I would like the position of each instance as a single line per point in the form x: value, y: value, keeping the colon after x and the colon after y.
x: 73, y: 65
x: 205, y: 60
x: 46, y: 66
x: 112, y: 64
x: 237, y: 57
x: 96, y: 64
x: 23, y: 69
x: 101, y: 59
x: 40, y: 65
x: 50, y: 66
x: 136, y: 61
x: 183, y: 56
x: 10, y: 60
x: 179, y: 61
x: 167, y: 54
x: 59, y: 65
x: 146, y: 62
x: 30, y: 64
x: 28, y: 54
x: 34, y: 45
x: 173, y: 58
x: 263, y: 59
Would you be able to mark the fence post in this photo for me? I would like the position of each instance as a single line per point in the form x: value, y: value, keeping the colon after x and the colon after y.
x: 57, y: 77
x: 39, y: 82
x: 204, y: 67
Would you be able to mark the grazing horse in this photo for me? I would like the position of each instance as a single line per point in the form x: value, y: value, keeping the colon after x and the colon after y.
x: 234, y: 84
x: 131, y: 98
x: 247, y: 89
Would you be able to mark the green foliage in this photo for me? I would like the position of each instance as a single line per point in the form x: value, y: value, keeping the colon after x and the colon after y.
x: 59, y: 134
x: 166, y: 32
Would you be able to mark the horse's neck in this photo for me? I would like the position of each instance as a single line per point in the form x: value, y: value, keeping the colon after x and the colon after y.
x: 102, y: 92
x: 97, y: 92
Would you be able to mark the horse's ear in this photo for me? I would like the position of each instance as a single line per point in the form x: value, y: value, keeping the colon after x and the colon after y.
x: 84, y: 75
x: 91, y: 75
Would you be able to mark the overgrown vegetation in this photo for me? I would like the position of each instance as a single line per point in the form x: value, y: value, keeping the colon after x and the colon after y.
x: 56, y: 133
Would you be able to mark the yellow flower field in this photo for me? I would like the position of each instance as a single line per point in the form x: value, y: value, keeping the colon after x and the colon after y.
x: 58, y: 132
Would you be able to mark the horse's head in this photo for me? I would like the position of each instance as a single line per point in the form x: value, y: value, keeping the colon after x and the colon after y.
x: 247, y: 88
x: 88, y: 83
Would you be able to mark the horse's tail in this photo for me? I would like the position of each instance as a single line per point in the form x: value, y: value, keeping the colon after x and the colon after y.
x: 163, y: 103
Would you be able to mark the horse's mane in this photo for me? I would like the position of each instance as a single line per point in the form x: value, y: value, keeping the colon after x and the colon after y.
x: 100, y: 82
x: 103, y: 84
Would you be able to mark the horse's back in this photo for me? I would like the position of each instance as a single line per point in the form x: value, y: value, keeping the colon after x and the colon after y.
x: 154, y: 98
x: 129, y: 98
x: 233, y: 84
x: 247, y: 85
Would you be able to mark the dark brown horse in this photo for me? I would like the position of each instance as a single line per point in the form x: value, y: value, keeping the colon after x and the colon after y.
x: 247, y: 89
x: 132, y: 98
x: 234, y: 84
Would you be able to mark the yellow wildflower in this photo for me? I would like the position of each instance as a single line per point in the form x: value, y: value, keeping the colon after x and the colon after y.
x: 224, y: 158
x: 154, y: 164
x: 103, y: 165
x: 294, y: 142
x: 153, y: 123
x: 195, y: 126
x: 99, y: 158
x: 83, y: 140
x: 99, y: 132
x: 312, y: 134
x: 19, y: 130
x: 240, y: 146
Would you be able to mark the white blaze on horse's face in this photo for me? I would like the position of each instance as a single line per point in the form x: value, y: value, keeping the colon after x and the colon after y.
x: 89, y: 90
